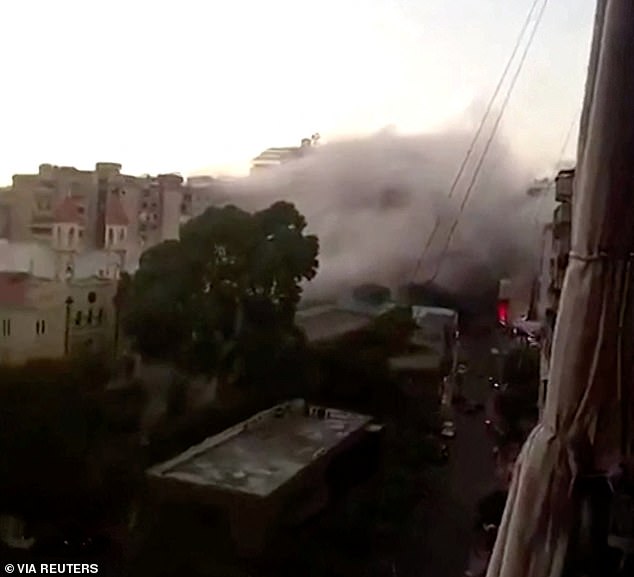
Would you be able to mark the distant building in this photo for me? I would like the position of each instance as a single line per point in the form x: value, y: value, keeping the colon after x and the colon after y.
x: 67, y: 234
x: 200, y: 193
x: 555, y: 254
x: 145, y: 210
x: 273, y: 157
x: 52, y: 305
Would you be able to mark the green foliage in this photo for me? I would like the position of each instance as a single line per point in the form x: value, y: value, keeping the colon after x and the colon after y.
x: 222, y: 299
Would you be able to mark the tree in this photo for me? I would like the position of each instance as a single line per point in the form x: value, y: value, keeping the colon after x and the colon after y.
x: 222, y: 299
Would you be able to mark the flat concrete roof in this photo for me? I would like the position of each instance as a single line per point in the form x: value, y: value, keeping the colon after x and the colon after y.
x: 329, y: 322
x: 260, y: 455
x: 416, y: 362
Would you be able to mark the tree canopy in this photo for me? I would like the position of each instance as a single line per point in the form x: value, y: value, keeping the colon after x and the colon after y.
x: 224, y: 296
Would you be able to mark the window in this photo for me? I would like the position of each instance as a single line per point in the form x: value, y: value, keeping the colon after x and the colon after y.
x: 78, y: 318
x: 92, y: 297
x: 110, y: 236
x: 37, y: 327
x: 100, y: 317
x: 59, y: 235
x: 80, y: 233
x: 71, y: 235
x: 6, y: 327
x: 40, y: 327
x: 121, y: 233
x: 89, y: 317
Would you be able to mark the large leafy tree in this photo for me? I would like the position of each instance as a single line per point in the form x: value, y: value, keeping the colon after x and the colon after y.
x: 223, y: 297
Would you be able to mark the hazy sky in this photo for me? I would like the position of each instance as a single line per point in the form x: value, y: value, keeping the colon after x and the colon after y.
x: 192, y: 84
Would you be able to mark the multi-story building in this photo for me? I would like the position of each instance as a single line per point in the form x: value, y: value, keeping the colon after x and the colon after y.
x: 148, y: 208
x: 272, y: 157
x: 555, y: 253
x: 68, y: 233
x: 200, y: 193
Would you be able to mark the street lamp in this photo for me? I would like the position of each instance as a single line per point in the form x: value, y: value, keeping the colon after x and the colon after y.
x: 69, y: 303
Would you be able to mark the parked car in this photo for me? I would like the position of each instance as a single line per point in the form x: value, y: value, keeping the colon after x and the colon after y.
x: 448, y: 430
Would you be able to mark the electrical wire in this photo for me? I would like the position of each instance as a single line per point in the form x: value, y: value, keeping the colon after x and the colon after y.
x: 477, y: 134
x: 487, y: 146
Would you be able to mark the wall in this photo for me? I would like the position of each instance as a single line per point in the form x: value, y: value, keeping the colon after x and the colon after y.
x: 46, y: 302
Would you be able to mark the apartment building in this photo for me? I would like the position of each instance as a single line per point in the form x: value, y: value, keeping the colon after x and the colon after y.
x: 555, y: 254
x: 200, y: 193
x: 273, y: 157
x: 67, y: 234
x: 145, y: 208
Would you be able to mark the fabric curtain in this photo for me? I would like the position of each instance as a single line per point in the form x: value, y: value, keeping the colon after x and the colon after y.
x: 581, y: 425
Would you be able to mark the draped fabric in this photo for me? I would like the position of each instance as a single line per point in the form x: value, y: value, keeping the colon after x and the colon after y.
x: 581, y: 428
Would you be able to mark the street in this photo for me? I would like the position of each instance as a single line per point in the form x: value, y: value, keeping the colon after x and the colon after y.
x: 444, y: 521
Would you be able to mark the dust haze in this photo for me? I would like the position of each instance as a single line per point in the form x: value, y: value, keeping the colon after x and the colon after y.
x: 374, y: 201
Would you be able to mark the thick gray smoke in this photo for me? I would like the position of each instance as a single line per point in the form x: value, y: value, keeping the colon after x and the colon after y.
x: 373, y: 202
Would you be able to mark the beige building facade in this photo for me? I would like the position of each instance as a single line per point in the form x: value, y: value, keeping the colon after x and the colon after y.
x: 50, y: 318
x: 149, y: 207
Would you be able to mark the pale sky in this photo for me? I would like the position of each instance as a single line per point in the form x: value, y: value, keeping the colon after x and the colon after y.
x: 189, y: 85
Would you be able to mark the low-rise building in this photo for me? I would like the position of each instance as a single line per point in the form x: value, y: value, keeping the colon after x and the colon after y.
x: 52, y: 306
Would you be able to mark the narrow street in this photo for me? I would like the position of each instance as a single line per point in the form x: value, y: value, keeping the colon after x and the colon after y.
x: 442, y: 532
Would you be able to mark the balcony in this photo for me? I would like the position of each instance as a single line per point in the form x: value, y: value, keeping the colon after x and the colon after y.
x: 564, y: 185
x: 562, y: 219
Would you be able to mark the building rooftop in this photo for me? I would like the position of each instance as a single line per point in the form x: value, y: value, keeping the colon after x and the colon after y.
x: 428, y: 361
x: 260, y: 455
x: 115, y: 213
x: 68, y: 211
x: 329, y: 322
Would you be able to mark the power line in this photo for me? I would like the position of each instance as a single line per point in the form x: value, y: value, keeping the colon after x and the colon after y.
x: 487, y: 146
x: 477, y: 134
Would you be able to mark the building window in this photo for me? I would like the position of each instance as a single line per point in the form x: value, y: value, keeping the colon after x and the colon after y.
x: 89, y: 317
x: 110, y: 236
x: 80, y: 233
x: 42, y: 327
x: 71, y: 235
x: 6, y: 327
x: 59, y: 235
x: 78, y: 318
x: 92, y: 297
x: 37, y: 327
x: 121, y: 233
x: 100, y: 316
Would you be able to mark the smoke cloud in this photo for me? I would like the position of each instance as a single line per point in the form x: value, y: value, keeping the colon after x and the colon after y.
x: 373, y: 202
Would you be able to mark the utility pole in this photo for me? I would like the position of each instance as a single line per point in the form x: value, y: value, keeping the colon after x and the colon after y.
x: 69, y: 303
